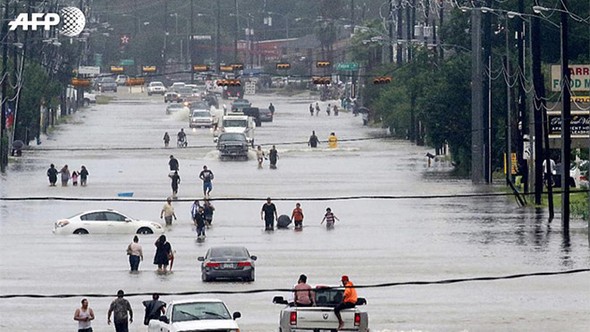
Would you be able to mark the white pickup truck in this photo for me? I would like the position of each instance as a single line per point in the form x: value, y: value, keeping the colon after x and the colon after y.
x: 321, y: 317
x: 196, y: 315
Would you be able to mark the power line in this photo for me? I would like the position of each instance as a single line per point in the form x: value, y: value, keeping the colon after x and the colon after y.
x: 268, y: 290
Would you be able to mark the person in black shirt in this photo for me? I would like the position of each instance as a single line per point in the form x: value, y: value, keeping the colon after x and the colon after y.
x: 273, y: 156
x: 175, y: 181
x: 206, y: 175
x: 268, y: 214
x: 313, y: 140
x: 173, y: 163
x: 52, y: 175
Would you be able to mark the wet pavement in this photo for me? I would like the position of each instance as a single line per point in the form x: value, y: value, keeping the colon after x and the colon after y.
x: 377, y: 240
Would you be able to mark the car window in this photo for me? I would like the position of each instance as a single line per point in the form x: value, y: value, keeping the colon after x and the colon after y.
x: 235, y: 123
x: 228, y: 252
x: 328, y: 297
x: 99, y: 216
x: 112, y: 216
x: 200, y: 310
x: 232, y: 137
x: 201, y: 114
x: 108, y: 80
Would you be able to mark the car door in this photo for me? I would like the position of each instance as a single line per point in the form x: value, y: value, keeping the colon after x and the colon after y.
x: 118, y: 223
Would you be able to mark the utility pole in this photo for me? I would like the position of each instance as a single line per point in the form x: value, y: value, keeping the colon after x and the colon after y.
x: 566, y: 143
x: 190, y: 41
x: 538, y: 106
x: 390, y: 30
x: 400, y: 32
x: 218, y: 38
x: 487, y: 109
x: 477, y: 139
x: 236, y: 33
x: 522, y: 116
x: 3, y: 131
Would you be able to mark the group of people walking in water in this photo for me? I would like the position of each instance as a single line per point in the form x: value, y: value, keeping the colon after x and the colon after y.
x: 329, y: 109
x: 64, y: 172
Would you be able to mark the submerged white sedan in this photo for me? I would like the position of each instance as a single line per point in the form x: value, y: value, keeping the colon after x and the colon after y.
x: 105, y: 222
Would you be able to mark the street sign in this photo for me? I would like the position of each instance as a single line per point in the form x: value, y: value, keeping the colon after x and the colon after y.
x: 201, y: 37
x: 347, y: 66
x: 127, y: 62
x: 88, y: 70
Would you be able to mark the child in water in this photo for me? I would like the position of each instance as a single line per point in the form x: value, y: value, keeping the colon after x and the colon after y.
x: 329, y: 218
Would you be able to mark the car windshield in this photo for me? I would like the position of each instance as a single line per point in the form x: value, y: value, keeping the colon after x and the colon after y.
x: 235, y: 123
x: 200, y: 105
x: 199, y: 310
x: 232, y: 137
x: 185, y: 90
x: 201, y: 114
x: 175, y: 106
x: 108, y: 80
x: 156, y: 84
x: 224, y: 252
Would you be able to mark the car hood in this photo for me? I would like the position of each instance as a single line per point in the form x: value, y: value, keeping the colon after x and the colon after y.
x: 205, y: 325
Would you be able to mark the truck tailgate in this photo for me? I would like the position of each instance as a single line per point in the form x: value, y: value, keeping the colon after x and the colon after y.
x: 323, y: 318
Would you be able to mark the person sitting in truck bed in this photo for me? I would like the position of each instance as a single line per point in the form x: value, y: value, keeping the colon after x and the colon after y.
x: 349, y: 300
x: 303, y: 293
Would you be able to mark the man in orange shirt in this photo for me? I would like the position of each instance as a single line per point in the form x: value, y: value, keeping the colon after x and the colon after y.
x: 349, y: 300
x: 297, y: 216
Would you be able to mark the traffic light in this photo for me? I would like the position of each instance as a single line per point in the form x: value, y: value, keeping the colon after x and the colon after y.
x: 226, y: 69
x: 200, y: 68
x: 117, y: 69
x: 229, y: 82
x: 80, y: 82
x: 237, y: 66
x: 382, y: 80
x: 323, y: 64
x: 320, y: 80
x: 283, y: 66
x: 149, y: 69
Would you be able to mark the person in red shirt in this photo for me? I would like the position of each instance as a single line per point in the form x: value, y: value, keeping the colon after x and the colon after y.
x: 297, y: 216
x: 348, y: 301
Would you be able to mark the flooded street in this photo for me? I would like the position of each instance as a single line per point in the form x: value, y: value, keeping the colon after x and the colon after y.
x: 385, y: 233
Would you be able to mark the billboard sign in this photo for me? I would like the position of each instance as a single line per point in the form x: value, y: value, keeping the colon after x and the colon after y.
x: 579, y: 77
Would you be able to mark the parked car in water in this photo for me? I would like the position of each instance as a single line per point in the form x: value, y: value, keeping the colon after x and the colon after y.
x: 227, y: 263
x: 105, y: 222
x: 156, y: 88
x: 104, y: 84
x: 194, y: 315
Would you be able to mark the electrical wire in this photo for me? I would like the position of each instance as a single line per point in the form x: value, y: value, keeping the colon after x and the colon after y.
x: 290, y: 290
